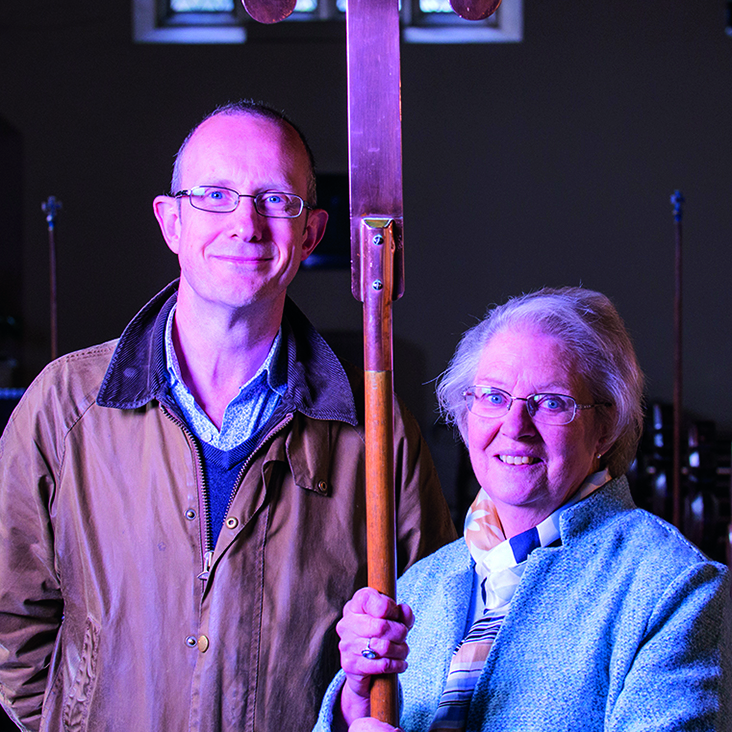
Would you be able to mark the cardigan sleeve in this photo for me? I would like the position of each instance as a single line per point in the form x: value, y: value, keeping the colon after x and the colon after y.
x: 330, y: 700
x: 680, y: 675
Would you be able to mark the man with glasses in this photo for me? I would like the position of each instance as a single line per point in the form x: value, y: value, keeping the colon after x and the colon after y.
x: 183, y: 509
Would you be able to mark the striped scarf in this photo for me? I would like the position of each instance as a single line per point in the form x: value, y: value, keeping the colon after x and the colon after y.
x: 499, y: 565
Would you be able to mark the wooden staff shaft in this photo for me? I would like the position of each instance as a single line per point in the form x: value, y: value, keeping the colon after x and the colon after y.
x: 375, y: 178
x: 380, y: 517
x: 377, y: 280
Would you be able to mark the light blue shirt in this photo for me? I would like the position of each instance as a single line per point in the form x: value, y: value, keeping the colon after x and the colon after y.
x: 246, y: 413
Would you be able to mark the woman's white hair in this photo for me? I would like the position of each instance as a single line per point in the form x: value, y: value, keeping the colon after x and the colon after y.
x: 594, y: 338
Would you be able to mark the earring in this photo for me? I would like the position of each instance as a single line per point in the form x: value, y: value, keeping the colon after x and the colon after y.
x: 599, y: 455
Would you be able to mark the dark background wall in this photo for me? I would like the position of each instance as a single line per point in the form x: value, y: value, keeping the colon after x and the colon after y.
x: 546, y: 162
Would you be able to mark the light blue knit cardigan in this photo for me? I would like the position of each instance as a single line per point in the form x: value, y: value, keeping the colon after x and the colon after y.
x: 626, y: 626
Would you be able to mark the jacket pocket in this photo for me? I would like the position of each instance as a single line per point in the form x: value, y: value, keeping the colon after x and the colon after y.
x: 76, y: 705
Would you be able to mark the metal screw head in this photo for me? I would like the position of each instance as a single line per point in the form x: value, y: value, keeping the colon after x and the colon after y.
x: 378, y: 285
x: 378, y: 239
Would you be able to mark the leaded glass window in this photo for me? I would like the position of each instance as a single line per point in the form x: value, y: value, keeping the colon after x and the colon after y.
x: 226, y: 21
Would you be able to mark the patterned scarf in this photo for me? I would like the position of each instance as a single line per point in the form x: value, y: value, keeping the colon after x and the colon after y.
x: 499, y: 565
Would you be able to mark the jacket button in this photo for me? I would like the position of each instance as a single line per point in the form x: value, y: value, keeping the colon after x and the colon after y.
x: 203, y: 644
x: 191, y: 641
x: 190, y: 514
x: 232, y: 522
x: 322, y: 486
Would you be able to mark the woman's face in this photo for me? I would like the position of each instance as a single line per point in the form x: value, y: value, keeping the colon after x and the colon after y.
x: 529, y: 469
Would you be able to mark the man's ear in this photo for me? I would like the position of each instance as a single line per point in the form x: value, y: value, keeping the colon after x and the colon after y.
x: 167, y: 212
x: 314, y: 230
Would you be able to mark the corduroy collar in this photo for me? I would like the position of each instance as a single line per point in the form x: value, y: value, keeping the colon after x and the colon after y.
x: 317, y: 384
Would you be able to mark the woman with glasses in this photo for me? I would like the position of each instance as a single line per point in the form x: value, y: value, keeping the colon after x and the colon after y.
x: 563, y: 607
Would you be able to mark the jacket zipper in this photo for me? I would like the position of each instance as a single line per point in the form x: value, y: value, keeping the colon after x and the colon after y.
x: 207, y: 562
x: 203, y: 502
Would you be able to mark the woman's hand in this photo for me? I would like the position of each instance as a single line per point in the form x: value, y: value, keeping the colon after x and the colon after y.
x: 369, y: 724
x: 371, y: 622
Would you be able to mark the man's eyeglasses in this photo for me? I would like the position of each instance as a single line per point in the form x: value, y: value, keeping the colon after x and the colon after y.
x: 273, y: 204
x: 557, y: 409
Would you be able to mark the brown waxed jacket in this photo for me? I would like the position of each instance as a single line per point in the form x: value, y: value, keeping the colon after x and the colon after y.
x: 104, y: 621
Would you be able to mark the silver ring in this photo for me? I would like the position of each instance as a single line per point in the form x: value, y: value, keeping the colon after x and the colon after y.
x: 368, y: 652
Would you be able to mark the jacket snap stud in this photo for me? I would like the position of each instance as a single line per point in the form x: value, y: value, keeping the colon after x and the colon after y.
x: 190, y: 514
x: 231, y: 522
x: 191, y: 641
x: 203, y: 644
x: 322, y: 486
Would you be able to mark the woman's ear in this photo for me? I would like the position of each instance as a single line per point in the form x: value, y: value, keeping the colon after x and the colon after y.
x: 605, y: 438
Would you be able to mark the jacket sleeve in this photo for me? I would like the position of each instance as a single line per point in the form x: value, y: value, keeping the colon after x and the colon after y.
x: 680, y: 676
x: 31, y: 606
x: 423, y: 518
x: 330, y: 701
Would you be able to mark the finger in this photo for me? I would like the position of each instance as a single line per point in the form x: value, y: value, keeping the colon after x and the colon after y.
x: 368, y: 601
x: 368, y: 604
x: 361, y: 670
x: 376, y: 647
x: 354, y: 625
x: 388, y: 658
x: 383, y: 637
x: 406, y: 615
x: 369, y: 724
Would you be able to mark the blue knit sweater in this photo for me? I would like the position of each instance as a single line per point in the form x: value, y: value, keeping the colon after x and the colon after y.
x: 626, y: 626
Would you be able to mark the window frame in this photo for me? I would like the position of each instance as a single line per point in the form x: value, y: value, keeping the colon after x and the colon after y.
x: 150, y: 25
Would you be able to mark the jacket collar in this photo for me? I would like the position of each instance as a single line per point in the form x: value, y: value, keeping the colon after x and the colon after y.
x: 136, y: 372
x: 317, y: 385
x: 597, y: 510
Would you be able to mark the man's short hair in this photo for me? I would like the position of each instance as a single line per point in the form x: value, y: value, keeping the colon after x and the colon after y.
x: 249, y: 107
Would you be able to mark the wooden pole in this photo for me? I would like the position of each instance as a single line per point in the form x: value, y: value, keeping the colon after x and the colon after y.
x: 377, y: 256
x: 377, y: 267
x: 377, y: 261
x: 677, y: 200
x: 51, y: 208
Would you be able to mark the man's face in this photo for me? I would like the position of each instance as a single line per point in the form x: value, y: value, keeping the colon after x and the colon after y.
x: 238, y: 259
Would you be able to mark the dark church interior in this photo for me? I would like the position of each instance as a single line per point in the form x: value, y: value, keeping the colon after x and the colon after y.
x: 547, y: 161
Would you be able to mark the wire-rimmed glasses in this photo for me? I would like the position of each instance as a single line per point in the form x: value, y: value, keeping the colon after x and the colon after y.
x: 491, y: 402
x: 273, y: 204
